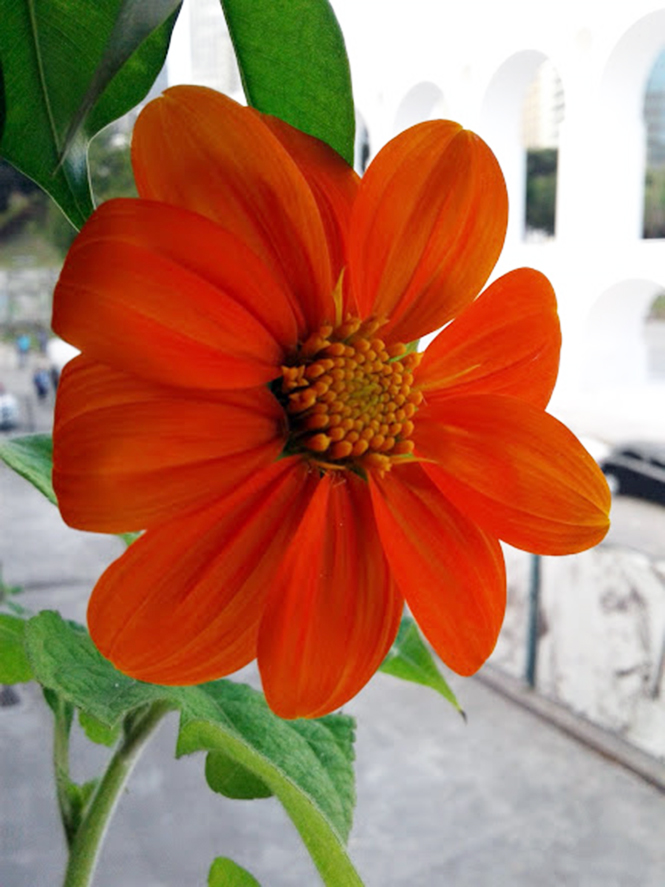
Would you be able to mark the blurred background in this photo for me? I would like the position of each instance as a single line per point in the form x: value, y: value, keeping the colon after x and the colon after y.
x: 571, y: 98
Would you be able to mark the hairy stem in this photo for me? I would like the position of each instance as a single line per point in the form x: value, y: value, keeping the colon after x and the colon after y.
x: 86, y: 844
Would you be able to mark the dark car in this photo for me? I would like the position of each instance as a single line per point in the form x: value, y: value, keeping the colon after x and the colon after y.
x: 636, y: 469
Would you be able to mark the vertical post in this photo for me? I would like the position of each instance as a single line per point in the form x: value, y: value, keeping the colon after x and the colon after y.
x: 532, y: 621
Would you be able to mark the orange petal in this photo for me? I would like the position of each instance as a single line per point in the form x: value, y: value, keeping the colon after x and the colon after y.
x: 506, y: 342
x: 427, y: 228
x: 333, y: 610
x: 183, y: 604
x: 198, y: 149
x: 333, y: 182
x: 129, y: 454
x: 517, y: 471
x: 451, y: 573
x: 130, y: 304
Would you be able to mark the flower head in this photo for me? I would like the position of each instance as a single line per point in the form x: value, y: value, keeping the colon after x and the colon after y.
x: 246, y: 395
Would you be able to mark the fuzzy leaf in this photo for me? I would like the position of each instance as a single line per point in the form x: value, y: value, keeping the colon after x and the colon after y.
x: 227, y: 777
x: 98, y: 732
x: 227, y: 873
x: 14, y: 664
x: 306, y: 764
x: 31, y: 457
x: 409, y: 658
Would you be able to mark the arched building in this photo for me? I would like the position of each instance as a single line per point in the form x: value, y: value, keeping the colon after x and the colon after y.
x: 476, y: 63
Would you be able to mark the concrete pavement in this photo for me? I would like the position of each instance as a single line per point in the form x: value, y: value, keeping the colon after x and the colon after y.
x: 506, y: 800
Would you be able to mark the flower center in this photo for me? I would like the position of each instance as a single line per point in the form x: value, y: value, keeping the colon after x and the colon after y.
x: 349, y: 397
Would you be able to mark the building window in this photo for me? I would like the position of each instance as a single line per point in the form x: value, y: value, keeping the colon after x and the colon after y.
x: 654, y: 181
x: 542, y: 115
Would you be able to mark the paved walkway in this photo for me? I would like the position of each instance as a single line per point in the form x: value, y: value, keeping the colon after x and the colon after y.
x: 504, y: 801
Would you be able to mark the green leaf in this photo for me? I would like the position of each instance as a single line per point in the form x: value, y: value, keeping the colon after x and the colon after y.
x: 317, y: 755
x: 293, y: 64
x: 409, y: 658
x: 31, y: 457
x: 78, y: 799
x: 135, y: 22
x: 51, y: 53
x: 227, y: 777
x: 14, y: 663
x: 306, y: 764
x: 98, y: 732
x: 2, y: 102
x: 227, y: 873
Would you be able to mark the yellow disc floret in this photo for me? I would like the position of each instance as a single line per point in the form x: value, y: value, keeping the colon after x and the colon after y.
x: 349, y: 397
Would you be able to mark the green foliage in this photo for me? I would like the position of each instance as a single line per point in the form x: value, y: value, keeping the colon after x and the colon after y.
x: 3, y: 108
x: 293, y: 64
x: 31, y: 457
x: 306, y: 764
x: 654, y: 203
x: 226, y: 873
x: 541, y: 177
x: 14, y: 664
x: 227, y: 777
x: 657, y: 310
x: 409, y: 658
x: 97, y: 731
x: 70, y: 68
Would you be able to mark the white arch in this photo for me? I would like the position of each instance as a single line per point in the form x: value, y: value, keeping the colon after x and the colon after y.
x: 424, y: 101
x: 620, y: 120
x: 614, y: 334
x: 501, y: 118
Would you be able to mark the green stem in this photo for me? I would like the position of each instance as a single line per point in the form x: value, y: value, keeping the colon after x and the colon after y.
x: 87, y: 842
x: 63, y: 713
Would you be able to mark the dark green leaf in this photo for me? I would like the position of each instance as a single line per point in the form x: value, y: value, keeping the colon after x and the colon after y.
x: 31, y: 457
x: 50, y: 54
x: 226, y: 873
x: 409, y: 658
x: 2, y: 102
x: 14, y: 664
x: 227, y: 777
x: 98, y: 732
x: 135, y: 23
x: 306, y: 764
x: 293, y: 64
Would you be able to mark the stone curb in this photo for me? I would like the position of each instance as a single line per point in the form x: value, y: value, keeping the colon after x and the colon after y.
x: 608, y: 745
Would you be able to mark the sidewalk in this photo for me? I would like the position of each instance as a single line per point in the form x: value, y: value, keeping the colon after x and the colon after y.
x: 506, y: 800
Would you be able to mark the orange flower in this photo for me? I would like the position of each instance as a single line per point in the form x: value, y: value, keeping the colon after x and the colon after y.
x: 243, y: 396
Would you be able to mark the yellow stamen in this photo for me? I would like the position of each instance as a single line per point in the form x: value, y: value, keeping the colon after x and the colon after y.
x: 350, y: 397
